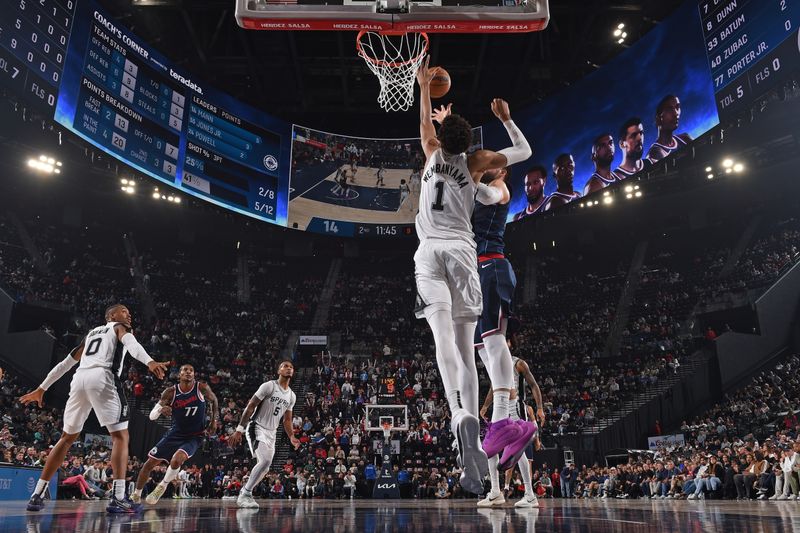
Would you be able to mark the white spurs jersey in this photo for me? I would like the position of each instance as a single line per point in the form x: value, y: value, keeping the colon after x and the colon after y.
x: 447, y: 198
x: 275, y: 401
x: 102, y: 349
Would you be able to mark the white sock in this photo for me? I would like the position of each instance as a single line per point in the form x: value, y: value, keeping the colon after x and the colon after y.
x: 171, y: 474
x: 447, y: 355
x: 501, y: 368
x: 41, y: 487
x: 494, y: 475
x: 119, y: 489
x: 513, y: 408
x: 500, y: 405
x: 525, y: 471
x: 468, y: 372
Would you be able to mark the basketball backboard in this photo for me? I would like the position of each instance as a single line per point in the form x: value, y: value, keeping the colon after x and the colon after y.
x: 429, y: 16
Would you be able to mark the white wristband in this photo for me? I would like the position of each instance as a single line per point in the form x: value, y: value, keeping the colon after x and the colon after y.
x: 240, y: 428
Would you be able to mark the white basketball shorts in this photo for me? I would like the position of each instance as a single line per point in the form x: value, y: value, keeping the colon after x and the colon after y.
x: 258, y: 436
x: 95, y: 389
x: 447, y: 278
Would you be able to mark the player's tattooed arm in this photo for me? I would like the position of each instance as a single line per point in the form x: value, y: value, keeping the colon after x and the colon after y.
x: 164, y: 405
x: 535, y: 390
x: 487, y: 402
x: 252, y: 405
x: 213, y: 403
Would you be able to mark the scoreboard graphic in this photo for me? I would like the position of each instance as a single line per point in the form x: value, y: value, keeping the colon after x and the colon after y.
x: 752, y: 45
x: 128, y: 100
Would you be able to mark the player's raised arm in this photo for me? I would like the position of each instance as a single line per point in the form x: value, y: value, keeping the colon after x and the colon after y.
x: 525, y: 370
x: 484, y: 160
x: 213, y: 404
x: 164, y: 405
x: 138, y: 352
x: 54, y: 375
x: 427, y: 132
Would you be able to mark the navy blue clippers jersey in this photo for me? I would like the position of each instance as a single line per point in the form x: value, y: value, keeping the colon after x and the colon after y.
x: 489, y: 226
x: 188, y: 411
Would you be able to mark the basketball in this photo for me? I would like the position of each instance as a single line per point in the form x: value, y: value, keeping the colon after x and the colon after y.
x: 440, y: 83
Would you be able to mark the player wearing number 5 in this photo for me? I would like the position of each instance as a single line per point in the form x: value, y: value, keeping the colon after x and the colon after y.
x: 270, y: 406
x: 96, y: 387
x: 446, y: 263
x: 187, y: 403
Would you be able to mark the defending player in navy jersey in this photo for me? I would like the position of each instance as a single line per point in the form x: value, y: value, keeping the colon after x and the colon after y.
x: 668, y: 117
x: 270, y: 407
x: 631, y: 141
x: 564, y: 172
x: 603, y: 157
x: 96, y: 387
x: 188, y: 402
x: 445, y: 266
x: 534, y: 192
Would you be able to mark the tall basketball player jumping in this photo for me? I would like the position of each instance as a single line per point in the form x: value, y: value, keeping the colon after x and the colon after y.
x: 448, y: 287
x: 187, y: 403
x: 269, y: 407
x: 96, y: 387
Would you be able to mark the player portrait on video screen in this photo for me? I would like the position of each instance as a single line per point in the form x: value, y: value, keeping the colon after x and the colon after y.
x: 564, y: 173
x: 668, y: 116
x: 534, y: 192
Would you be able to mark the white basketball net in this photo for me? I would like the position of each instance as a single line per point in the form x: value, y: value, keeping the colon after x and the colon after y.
x: 394, y: 59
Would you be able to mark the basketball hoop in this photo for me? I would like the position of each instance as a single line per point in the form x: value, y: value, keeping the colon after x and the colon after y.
x: 394, y: 58
x: 387, y: 429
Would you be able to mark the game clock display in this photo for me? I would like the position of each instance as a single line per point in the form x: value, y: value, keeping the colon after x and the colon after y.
x: 128, y: 100
x: 752, y: 45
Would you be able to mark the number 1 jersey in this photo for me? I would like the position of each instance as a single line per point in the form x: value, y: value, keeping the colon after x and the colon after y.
x: 447, y: 198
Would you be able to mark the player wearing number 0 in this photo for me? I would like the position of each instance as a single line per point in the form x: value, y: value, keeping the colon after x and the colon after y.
x: 96, y: 387
x: 187, y: 403
x: 448, y: 287
x: 270, y: 406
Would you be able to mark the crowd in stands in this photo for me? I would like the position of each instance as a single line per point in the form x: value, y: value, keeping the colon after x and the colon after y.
x: 386, y: 359
x: 745, y: 447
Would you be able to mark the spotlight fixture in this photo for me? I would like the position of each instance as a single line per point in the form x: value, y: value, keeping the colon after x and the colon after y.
x: 638, y: 194
x: 710, y: 176
x: 738, y: 167
x: 608, y: 200
x: 727, y: 163
x: 709, y: 169
x: 629, y: 196
x: 156, y: 196
x: 45, y: 164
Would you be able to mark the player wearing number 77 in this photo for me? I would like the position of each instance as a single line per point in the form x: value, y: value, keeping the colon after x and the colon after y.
x: 270, y: 406
x: 187, y: 402
x: 445, y: 263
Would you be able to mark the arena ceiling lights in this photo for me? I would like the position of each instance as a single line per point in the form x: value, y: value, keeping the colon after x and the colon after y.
x: 158, y: 195
x: 620, y: 34
x: 128, y: 186
x: 45, y: 164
